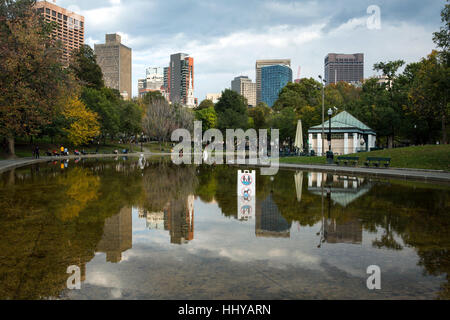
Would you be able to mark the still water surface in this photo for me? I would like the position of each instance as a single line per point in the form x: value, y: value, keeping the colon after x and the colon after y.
x: 168, y: 232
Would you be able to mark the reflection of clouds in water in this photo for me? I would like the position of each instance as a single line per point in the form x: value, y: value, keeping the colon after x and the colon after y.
x: 116, y: 293
x: 103, y: 279
x: 219, y: 237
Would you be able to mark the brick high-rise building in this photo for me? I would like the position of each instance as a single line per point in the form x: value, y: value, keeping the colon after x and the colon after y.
x: 245, y: 87
x: 265, y: 63
x: 70, y: 26
x: 180, y: 77
x: 344, y: 67
x: 117, y: 235
x: 115, y: 60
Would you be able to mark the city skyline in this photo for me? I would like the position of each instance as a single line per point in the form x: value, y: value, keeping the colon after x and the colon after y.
x: 303, y: 32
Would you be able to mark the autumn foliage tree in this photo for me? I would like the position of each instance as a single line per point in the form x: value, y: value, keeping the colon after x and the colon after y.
x: 32, y: 76
x: 84, y: 124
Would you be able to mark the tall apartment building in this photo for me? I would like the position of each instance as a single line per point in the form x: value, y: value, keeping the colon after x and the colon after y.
x: 70, y: 26
x: 265, y: 63
x: 245, y: 87
x: 180, y: 76
x: 114, y: 59
x: 344, y: 67
x: 274, y: 79
x: 117, y: 235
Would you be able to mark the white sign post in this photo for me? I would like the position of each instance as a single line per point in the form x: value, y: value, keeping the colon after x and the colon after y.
x: 246, y: 193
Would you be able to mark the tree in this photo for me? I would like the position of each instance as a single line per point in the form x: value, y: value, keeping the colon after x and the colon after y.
x: 149, y: 97
x: 107, y: 104
x: 297, y: 95
x: 429, y: 92
x: 208, y: 117
x: 161, y: 119
x: 394, y: 108
x: 32, y: 76
x: 130, y: 119
x: 286, y: 122
x: 83, y: 123
x: 85, y: 68
x: 231, y: 111
x: 442, y: 37
x: 305, y: 99
x: 205, y: 104
x: 260, y: 115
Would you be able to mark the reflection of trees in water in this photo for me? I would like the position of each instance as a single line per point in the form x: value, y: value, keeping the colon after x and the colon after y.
x: 164, y: 182
x: 418, y: 214
x: 37, y: 248
x: 80, y: 187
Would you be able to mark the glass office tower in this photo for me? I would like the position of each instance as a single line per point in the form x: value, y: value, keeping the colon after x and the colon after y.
x: 273, y: 80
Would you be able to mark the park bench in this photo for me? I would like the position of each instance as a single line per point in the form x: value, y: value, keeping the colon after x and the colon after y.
x: 377, y: 162
x: 352, y: 160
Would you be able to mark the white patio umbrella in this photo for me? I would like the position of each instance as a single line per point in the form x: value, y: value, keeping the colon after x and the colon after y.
x: 299, y: 136
x: 299, y: 185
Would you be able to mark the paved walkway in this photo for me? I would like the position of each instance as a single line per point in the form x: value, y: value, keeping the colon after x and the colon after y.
x: 410, y: 174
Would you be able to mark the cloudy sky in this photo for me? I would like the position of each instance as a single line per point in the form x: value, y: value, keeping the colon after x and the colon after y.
x: 227, y: 37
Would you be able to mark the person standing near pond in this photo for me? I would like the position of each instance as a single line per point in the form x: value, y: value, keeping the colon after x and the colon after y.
x: 36, y: 152
x: 62, y: 150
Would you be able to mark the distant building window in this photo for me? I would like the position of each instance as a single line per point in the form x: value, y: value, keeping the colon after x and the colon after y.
x: 65, y: 18
x: 47, y: 10
x: 54, y: 13
x: 59, y: 16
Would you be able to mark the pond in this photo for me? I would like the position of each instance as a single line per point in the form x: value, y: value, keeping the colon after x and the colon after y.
x: 160, y: 231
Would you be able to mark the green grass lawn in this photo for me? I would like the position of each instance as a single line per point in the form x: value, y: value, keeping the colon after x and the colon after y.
x: 424, y: 157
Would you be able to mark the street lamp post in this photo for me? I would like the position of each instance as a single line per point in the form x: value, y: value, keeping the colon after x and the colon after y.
x: 330, y: 156
x: 330, y: 113
x: 323, y: 112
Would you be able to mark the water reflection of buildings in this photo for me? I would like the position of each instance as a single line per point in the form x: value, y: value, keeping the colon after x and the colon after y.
x: 342, y: 190
x: 117, y: 236
x: 269, y: 221
x: 346, y: 232
x: 177, y: 217
x: 345, y: 189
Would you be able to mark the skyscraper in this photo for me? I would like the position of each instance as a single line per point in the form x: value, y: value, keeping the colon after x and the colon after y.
x: 181, y: 79
x: 117, y: 235
x: 274, y: 79
x: 70, y: 26
x: 245, y: 87
x: 344, y: 67
x: 115, y: 61
x: 263, y: 63
x: 269, y: 220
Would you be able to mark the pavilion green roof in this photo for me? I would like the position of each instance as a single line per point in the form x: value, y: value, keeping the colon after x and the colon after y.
x: 344, y: 120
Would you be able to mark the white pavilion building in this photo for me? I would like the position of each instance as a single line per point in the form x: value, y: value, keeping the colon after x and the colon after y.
x: 348, y: 134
